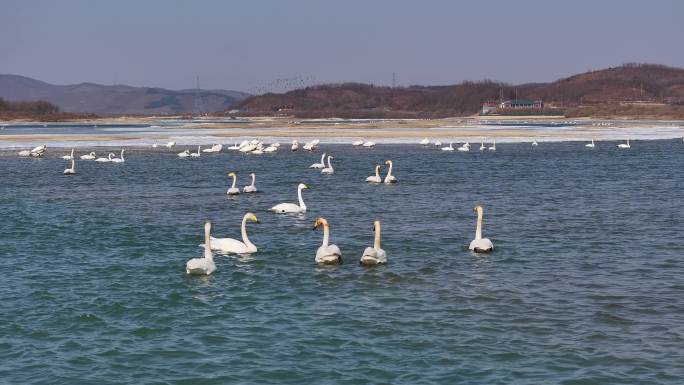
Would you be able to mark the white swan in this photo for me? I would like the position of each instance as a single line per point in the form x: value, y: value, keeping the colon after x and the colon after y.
x: 327, y: 254
x: 465, y: 147
x: 424, y: 142
x: 449, y: 148
x: 196, y: 154
x: 230, y: 245
x: 69, y: 157
x: 479, y: 244
x: 375, y: 178
x: 590, y: 145
x: 170, y: 144
x: 295, y: 145
x: 321, y: 164
x: 328, y: 170
x: 119, y: 160
x: 482, y: 146
x: 205, y: 265
x: 284, y: 208
x: 389, y: 179
x: 251, y: 188
x: 233, y: 190
x: 35, y: 152
x: 105, y: 160
x: 90, y: 156
x: 184, y: 154
x: 72, y: 169
x: 358, y: 143
x: 236, y: 146
x: 369, y: 144
x: 438, y: 143
x: 374, y: 255
x: 624, y: 145
x: 493, y: 146
x: 534, y: 143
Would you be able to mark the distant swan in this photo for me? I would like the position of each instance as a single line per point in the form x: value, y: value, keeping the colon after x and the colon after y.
x: 389, y: 179
x: 233, y: 190
x: 90, y: 156
x: 119, y: 160
x: 624, y: 145
x: 482, y: 146
x: 375, y: 178
x: 295, y: 145
x: 321, y: 164
x: 206, y: 265
x: 493, y: 146
x: 534, y: 143
x: 196, y: 154
x: 184, y: 154
x: 251, y: 188
x: 230, y: 245
x: 465, y: 147
x: 170, y: 144
x: 69, y: 157
x: 590, y: 145
x: 424, y: 142
x: 369, y: 144
x: 358, y: 143
x: 449, y: 148
x: 479, y: 244
x: 283, y: 208
x: 328, y: 170
x: 326, y: 254
x: 72, y: 169
x: 374, y: 255
x: 107, y: 159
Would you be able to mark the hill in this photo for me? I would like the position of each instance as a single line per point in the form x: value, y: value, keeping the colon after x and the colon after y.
x: 635, y: 90
x: 115, y: 99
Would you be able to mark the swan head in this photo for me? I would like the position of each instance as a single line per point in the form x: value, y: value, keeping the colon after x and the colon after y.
x: 479, y: 208
x: 252, y: 174
x: 389, y: 162
x: 320, y: 221
x: 376, y: 225
x: 251, y: 216
x: 302, y: 186
x: 232, y: 174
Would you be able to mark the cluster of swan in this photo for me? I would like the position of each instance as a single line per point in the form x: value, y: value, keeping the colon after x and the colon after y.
x: 109, y: 159
x: 234, y: 190
x: 167, y: 144
x: 326, y: 254
x: 389, y: 178
x: 362, y: 143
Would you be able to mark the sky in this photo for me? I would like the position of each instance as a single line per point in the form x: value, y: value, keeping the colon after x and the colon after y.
x: 247, y: 45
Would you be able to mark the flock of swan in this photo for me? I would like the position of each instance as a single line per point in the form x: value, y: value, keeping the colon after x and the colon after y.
x: 466, y: 146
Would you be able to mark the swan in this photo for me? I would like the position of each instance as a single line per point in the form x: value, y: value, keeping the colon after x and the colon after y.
x: 465, y: 147
x: 534, y: 143
x: 311, y: 146
x: 105, y: 160
x: 321, y: 164
x: 482, y: 146
x: 119, y: 160
x: 233, y: 246
x: 389, y: 179
x: 327, y: 254
x: 283, y: 208
x: 251, y: 188
x: 438, y: 143
x: 374, y: 255
x: 72, y: 169
x: 154, y: 145
x: 493, y: 146
x: 590, y: 145
x: 375, y: 178
x: 196, y: 154
x: 184, y: 154
x: 479, y: 244
x: 624, y: 145
x: 358, y: 143
x: 35, y: 152
x: 90, y: 156
x: 170, y: 144
x: 271, y: 148
x: 369, y: 144
x: 24, y: 153
x: 450, y: 148
x: 234, y: 147
x: 328, y: 170
x: 295, y: 145
x: 205, y: 265
x: 233, y: 190
x: 424, y: 142
x: 69, y: 157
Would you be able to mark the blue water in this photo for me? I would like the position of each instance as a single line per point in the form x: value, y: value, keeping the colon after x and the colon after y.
x: 585, y: 286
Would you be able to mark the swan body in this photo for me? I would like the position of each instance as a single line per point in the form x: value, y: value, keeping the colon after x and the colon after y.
x: 321, y: 164
x: 369, y: 144
x: 105, y: 160
x: 170, y: 144
x: 72, y: 169
x: 389, y: 178
x: 233, y: 190
x: 214, y: 148
x: 285, y: 208
x: 534, y: 143
x: 464, y: 148
x: 271, y: 148
x: 482, y: 146
x: 328, y: 170
x: 295, y: 145
x: 24, y: 153
x: 233, y: 246
x: 493, y: 146
x: 479, y: 244
x: 374, y: 255
x: 590, y: 145
x: 449, y: 148
x: 624, y: 145
x: 203, y: 265
x: 251, y: 188
x: 90, y: 156
x: 327, y: 254
x: 119, y: 160
x: 234, y: 147
x: 196, y: 154
x: 375, y: 178
x: 69, y: 157
x: 424, y: 142
x: 357, y: 143
x: 184, y: 154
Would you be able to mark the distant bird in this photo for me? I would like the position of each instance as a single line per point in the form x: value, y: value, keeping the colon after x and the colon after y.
x: 482, y: 146
x: 358, y: 143
x: 590, y: 145
x: 328, y: 170
x: 184, y: 154
x: 624, y: 145
x: 327, y: 254
x: 464, y: 148
x: 233, y: 190
x: 493, y: 146
x: 90, y: 156
x: 119, y: 160
x: 105, y: 160
x: 449, y: 148
x: 374, y: 255
x: 389, y: 178
x: 425, y: 142
x: 69, y: 157
x: 196, y: 154
x: 72, y: 169
x: 437, y: 143
x: 479, y: 244
x: 321, y: 164
x: 295, y: 145
x: 170, y: 144
x: 205, y: 265
x: 285, y: 208
x: 251, y: 188
x: 369, y: 144
x: 534, y: 143
x: 375, y: 178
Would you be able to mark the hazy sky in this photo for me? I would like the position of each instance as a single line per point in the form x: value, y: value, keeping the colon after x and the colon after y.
x: 244, y: 44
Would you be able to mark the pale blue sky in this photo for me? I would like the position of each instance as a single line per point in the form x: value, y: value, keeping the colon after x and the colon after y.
x: 243, y: 44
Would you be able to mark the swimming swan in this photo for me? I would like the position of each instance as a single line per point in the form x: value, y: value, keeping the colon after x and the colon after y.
x: 375, y: 178
x: 196, y: 154
x: 184, y: 154
x: 69, y: 157
x: 90, y: 156
x: 624, y: 145
x: 295, y: 145
x: 284, y: 208
x: 590, y: 145
x: 321, y: 164
x: 328, y: 170
x: 119, y: 160
x: 206, y: 265
x: 374, y: 255
x: 107, y: 159
x: 230, y: 245
x: 251, y: 188
x: 493, y: 146
x: 389, y: 179
x: 450, y: 148
x: 72, y: 170
x: 327, y: 254
x: 479, y: 244
x: 233, y: 190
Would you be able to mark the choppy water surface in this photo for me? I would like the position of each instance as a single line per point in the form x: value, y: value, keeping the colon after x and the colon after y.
x: 586, y: 285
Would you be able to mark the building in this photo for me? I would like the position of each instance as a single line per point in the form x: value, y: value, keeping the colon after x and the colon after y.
x: 492, y: 107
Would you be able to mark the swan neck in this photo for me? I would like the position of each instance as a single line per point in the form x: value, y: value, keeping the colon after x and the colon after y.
x: 376, y: 243
x: 301, y: 201
x: 245, y: 240
x: 377, y: 171
x: 207, y: 242
x: 329, y: 164
x: 253, y: 179
x: 478, y: 229
x: 326, y: 234
x: 389, y: 172
x: 234, y: 181
x: 323, y: 158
